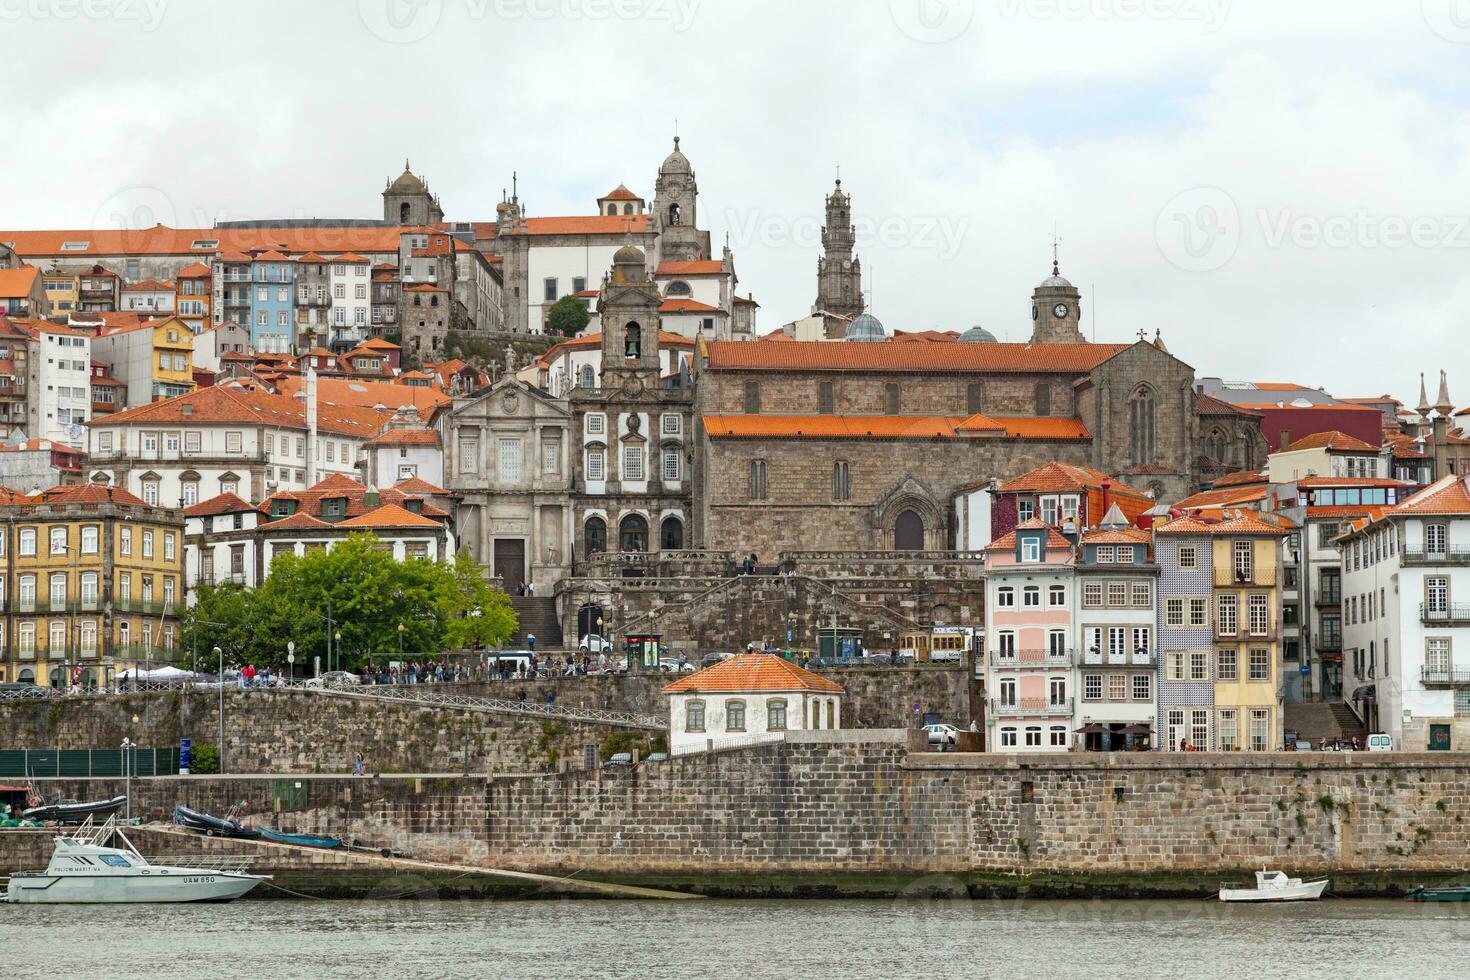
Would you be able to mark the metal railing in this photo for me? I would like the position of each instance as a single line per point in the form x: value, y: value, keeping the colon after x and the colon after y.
x: 1430, y: 675
x: 427, y: 695
x: 1445, y: 612
x: 1449, y: 554
x: 1031, y: 708
x: 77, y: 763
x: 1032, y: 657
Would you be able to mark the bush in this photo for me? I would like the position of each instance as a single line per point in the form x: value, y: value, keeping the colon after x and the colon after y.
x: 204, y: 759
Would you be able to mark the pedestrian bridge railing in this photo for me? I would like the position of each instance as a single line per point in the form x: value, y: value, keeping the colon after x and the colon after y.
x: 433, y: 695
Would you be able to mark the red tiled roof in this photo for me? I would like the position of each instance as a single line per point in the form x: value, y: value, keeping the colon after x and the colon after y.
x: 888, y: 427
x: 405, y: 437
x: 1007, y: 542
x: 1239, y: 478
x: 1210, y: 405
x: 621, y: 193
x: 1225, y: 497
x: 1309, y: 482
x: 753, y: 672
x: 1447, y: 495
x: 17, y: 283
x: 225, y: 503
x: 594, y: 224
x: 195, y: 270
x: 346, y: 393
x: 39, y: 445
x: 890, y: 357
x: 149, y: 286
x: 687, y: 306
x: 162, y: 240
x: 698, y: 267
x: 389, y: 515
x: 417, y: 485
x: 300, y: 519
x: 1130, y: 535
x: 233, y: 404
x: 1332, y: 441
x: 88, y: 493
x: 1067, y: 477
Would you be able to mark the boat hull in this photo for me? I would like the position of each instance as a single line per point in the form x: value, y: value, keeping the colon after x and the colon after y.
x: 1307, y: 891
x: 74, y: 812
x: 1451, y: 894
x: 174, y: 885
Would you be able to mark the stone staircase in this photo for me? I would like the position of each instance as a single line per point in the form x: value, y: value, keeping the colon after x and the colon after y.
x: 1315, y: 721
x: 537, y: 615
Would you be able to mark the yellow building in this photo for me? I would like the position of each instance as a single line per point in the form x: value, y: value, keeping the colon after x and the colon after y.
x: 1247, y: 633
x: 153, y: 359
x: 63, y: 289
x: 91, y: 581
x: 173, y: 358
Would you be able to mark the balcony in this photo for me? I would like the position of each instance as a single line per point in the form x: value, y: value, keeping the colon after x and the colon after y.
x: 1031, y: 708
x: 1445, y: 614
x: 1454, y: 554
x: 1327, y: 600
x: 1245, y: 633
x: 144, y: 608
x: 1039, y: 657
x: 1449, y: 677
x: 1111, y: 658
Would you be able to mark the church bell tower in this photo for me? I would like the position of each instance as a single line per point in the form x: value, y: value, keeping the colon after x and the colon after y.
x: 839, y: 273
x: 1056, y: 311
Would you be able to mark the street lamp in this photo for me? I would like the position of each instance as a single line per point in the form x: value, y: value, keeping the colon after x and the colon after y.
x: 337, y: 635
x: 127, y: 779
x: 400, y: 645
x: 220, y: 748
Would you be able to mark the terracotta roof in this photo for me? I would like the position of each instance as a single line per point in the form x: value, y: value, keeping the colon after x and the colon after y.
x: 225, y: 503
x: 380, y: 344
x: 1447, y: 495
x: 1239, y: 478
x: 1209, y: 405
x: 621, y: 193
x: 699, y: 267
x: 665, y: 339
x: 17, y: 283
x: 891, y: 357
x: 238, y: 405
x: 1184, y: 525
x: 1334, y: 441
x: 1344, y: 510
x: 389, y: 515
x: 193, y: 271
x: 1063, y: 477
x: 687, y: 306
x: 39, y: 445
x: 300, y: 519
x: 424, y: 287
x: 405, y: 437
x: 162, y: 240
x: 888, y: 427
x: 1308, y: 482
x: 1225, y: 497
x: 1248, y: 523
x: 89, y: 493
x: 417, y: 485
x: 149, y: 286
x: 1130, y: 535
x: 1007, y: 542
x: 754, y: 672
x: 595, y: 224
x: 344, y: 392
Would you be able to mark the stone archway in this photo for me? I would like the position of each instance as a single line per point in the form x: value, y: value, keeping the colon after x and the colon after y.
x: 924, y: 523
x: 908, y: 532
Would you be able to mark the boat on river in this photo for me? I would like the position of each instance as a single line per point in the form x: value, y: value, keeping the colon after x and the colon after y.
x: 70, y: 811
x: 96, y: 864
x: 204, y: 823
x: 1275, y: 886
x: 300, y: 840
x: 1446, y: 893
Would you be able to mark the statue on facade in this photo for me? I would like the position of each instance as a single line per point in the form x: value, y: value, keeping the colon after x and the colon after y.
x: 510, y: 360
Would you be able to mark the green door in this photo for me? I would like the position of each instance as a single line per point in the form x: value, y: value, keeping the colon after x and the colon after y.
x: 1439, y: 738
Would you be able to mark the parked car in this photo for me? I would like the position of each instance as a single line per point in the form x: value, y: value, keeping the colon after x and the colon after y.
x: 1380, y: 743
x: 26, y: 691
x: 334, y: 678
x: 714, y: 658
x: 942, y: 734
x: 618, y: 760
x: 670, y: 665
x: 592, y: 643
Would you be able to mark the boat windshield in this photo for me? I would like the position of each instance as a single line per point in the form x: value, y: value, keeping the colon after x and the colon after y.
x: 114, y: 861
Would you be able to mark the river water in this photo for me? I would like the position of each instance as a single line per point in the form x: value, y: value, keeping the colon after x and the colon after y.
x: 735, y: 940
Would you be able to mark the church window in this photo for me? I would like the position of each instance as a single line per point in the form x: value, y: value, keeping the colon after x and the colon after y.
x: 824, y: 397
x: 633, y: 533
x: 1216, y: 446
x: 633, y: 462
x: 596, y: 464
x: 752, y: 397
x: 757, y: 479
x: 633, y: 340
x: 891, y: 398
x: 678, y: 288
x: 403, y: 213
x: 595, y: 536
x: 675, y: 216
x: 627, y: 209
x: 671, y: 534
x: 550, y: 289
x: 841, y: 481
x: 974, y: 398
x: 1043, y: 399
x: 1141, y: 412
x: 587, y: 378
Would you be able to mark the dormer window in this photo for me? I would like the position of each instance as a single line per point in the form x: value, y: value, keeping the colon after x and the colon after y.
x: 414, y: 506
x: 283, y: 508
x: 334, y: 507
x: 1031, y: 548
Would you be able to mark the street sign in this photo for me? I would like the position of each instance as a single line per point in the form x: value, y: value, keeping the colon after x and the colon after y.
x: 789, y: 635
x: 1306, y: 669
x: 916, y: 707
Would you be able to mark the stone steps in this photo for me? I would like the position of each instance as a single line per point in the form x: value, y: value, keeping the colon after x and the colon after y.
x: 536, y: 615
x: 1315, y: 721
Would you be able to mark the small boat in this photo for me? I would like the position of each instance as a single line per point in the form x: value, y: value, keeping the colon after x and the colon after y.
x: 226, y: 826
x: 1275, y: 886
x: 70, y: 811
x: 99, y: 864
x: 301, y: 840
x: 1446, y: 893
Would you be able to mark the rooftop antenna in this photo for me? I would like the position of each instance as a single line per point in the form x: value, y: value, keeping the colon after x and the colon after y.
x: 1055, y: 254
x: 1093, y: 304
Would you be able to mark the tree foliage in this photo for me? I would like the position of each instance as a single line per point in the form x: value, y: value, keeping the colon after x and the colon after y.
x: 568, y: 316
x: 356, y: 595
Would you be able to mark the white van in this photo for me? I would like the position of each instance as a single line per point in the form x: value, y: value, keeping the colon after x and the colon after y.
x: 1380, y: 743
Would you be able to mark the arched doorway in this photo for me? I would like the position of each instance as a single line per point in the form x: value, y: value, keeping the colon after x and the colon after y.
x: 589, y: 616
x: 908, y: 532
x: 595, y: 538
x: 633, y: 533
x: 671, y: 534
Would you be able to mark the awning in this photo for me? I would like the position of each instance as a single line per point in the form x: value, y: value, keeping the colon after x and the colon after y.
x: 1136, y: 729
x: 1091, y: 728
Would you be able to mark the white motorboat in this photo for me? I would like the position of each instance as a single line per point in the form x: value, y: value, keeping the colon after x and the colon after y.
x: 89, y: 866
x: 1275, y: 886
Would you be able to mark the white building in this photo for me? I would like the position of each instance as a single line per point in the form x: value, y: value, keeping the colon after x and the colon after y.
x: 1116, y: 594
x: 61, y: 384
x: 215, y: 340
x: 148, y: 296
x: 351, y: 288
x: 748, y: 699
x: 404, y: 450
x: 1406, y: 618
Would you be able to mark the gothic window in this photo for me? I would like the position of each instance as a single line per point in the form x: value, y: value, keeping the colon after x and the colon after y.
x: 891, y: 398
x: 633, y: 533
x: 841, y: 481
x: 677, y: 288
x: 633, y: 340
x: 908, y: 532
x: 1043, y: 399
x: 1216, y: 445
x: 595, y: 536
x: 674, y: 215
x: 824, y: 398
x: 974, y: 398
x: 757, y: 479
x: 671, y: 534
x: 1141, y: 414
x: 752, y: 398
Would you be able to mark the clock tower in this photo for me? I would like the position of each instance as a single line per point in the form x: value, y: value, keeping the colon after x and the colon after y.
x: 628, y: 308
x: 1056, y: 311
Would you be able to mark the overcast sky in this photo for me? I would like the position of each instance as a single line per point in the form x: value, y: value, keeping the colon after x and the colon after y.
x: 1281, y: 188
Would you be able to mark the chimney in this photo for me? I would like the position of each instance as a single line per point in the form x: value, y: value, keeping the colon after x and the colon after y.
x: 1107, y: 499
x: 310, y: 427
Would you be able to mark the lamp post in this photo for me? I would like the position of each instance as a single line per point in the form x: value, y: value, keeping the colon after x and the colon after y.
x: 400, y: 646
x: 127, y: 779
x: 220, y: 748
x: 337, y: 636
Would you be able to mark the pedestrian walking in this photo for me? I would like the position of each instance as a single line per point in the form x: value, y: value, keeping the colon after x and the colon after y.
x: 550, y: 701
x: 359, y: 765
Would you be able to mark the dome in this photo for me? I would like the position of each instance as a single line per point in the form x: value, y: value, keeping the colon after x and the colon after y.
x: 977, y: 335
x: 628, y: 255
x: 838, y: 194
x: 676, y: 162
x: 1055, y: 280
x: 407, y: 182
x: 866, y: 328
x: 502, y: 207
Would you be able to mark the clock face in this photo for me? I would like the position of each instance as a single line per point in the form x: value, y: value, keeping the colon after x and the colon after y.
x: 1035, y: 312
x: 1059, y: 311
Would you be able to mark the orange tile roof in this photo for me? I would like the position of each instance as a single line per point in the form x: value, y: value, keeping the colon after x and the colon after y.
x: 1344, y: 510
x: 343, y: 392
x: 37, y: 445
x: 380, y: 344
x: 595, y: 224
x: 350, y: 258
x: 699, y: 267
x: 687, y: 306
x: 1225, y: 497
x: 239, y: 405
x: 1447, y: 495
x: 17, y: 283
x: 424, y: 287
x: 225, y: 503
x: 1333, y: 440
x: 149, y: 286
x: 162, y: 240
x: 298, y: 520
x: 888, y: 427
x: 418, y: 485
x: 1129, y: 535
x: 890, y: 357
x: 1007, y: 542
x: 1309, y: 482
x: 621, y: 193
x: 753, y: 672
x: 194, y: 271
x: 1057, y: 477
x: 405, y: 437
x: 389, y: 515
x: 89, y: 493
x: 1239, y: 478
x: 665, y: 339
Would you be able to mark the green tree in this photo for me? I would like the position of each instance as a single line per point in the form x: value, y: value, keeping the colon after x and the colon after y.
x: 480, y: 616
x: 568, y: 316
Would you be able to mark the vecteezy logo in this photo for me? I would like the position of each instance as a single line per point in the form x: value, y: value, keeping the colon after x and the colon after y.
x: 1199, y: 230
x: 400, y: 21
x: 932, y: 21
x: 134, y: 211
x: 1450, y: 19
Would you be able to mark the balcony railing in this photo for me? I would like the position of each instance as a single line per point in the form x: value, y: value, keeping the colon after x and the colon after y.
x: 1101, y: 658
x: 1244, y: 631
x: 1448, y: 677
x: 1453, y: 613
x: 145, y: 608
x: 1448, y: 555
x: 1037, y: 657
x: 1031, y: 708
x: 1327, y: 599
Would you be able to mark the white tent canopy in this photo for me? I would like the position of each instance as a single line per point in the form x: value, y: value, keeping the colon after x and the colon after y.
x: 169, y: 673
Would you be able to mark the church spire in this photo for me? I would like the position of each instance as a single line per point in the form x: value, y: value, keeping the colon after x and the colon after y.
x: 1444, y: 406
x: 1424, y: 406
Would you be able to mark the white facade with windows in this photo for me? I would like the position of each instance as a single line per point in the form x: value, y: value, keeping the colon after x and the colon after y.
x: 61, y: 380
x: 749, y: 699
